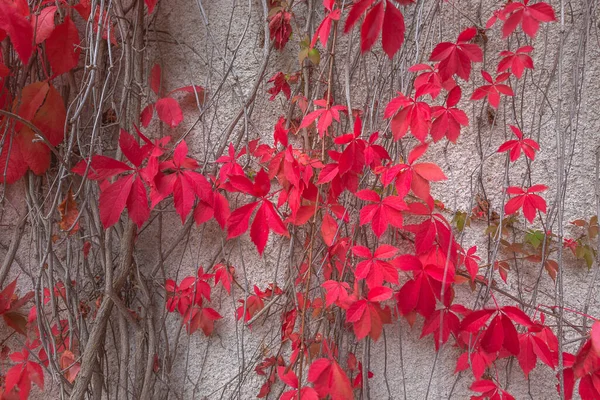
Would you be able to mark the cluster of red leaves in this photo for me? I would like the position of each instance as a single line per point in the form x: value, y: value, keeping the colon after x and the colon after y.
x: 255, y: 302
x: 528, y: 16
x: 189, y: 296
x: 434, y: 268
x: 280, y: 28
x: 61, y: 41
x: 293, y: 186
x: 29, y: 362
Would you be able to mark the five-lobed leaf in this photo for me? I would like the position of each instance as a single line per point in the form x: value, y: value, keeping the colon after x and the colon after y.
x: 528, y: 16
x: 527, y: 199
x: 456, y: 58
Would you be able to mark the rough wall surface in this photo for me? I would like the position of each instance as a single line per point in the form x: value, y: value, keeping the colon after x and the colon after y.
x: 223, y: 46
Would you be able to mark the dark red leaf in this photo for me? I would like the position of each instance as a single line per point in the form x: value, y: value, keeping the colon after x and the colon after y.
x: 18, y: 28
x: 371, y: 27
x: 62, y: 47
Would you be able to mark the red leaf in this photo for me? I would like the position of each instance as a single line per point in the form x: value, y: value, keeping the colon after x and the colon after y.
x: 137, y: 203
x: 517, y: 62
x: 150, y: 4
x: 527, y: 146
x: 18, y: 29
x: 43, y: 106
x: 266, y: 219
x: 516, y: 315
x: 329, y: 378
x: 388, y: 211
x: 324, y: 28
x: 467, y: 34
x: 288, y: 378
x: 319, y: 375
x: 528, y: 200
x: 483, y: 386
x: 359, y: 315
x: 44, y: 24
x: 413, y: 114
x: 448, y: 319
x: 371, y: 27
x: 280, y: 28
x: 328, y: 229
x: 335, y: 292
x: 417, y: 295
x: 392, y: 35
x: 208, y: 316
x: 242, y: 183
x: 113, y: 200
x: 511, y: 337
x: 6, y: 296
x: 155, y: 79
x: 183, y: 195
x: 494, y: 90
x: 221, y: 209
x: 385, y: 251
x: 542, y: 350
x: 224, y: 275
x: 35, y: 153
x: 529, y: 16
x: 239, y: 219
x: 380, y: 293
x: 280, y: 84
x: 169, y: 112
x: 456, y: 58
x: 595, y: 335
x: 476, y: 320
x: 494, y: 336
x: 146, y: 115
x: 62, y: 47
x: 328, y: 173
x: 84, y: 8
x: 12, y: 164
x: 430, y: 172
x: 454, y: 96
x: 259, y: 232
x: 101, y: 168
x: 132, y: 150
x: 358, y: 9
x: 527, y: 358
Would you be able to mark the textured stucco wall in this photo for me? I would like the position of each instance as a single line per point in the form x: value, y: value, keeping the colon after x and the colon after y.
x: 401, y: 363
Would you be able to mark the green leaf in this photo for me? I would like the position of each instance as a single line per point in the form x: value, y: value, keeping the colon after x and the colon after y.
x: 534, y: 238
x: 461, y: 220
